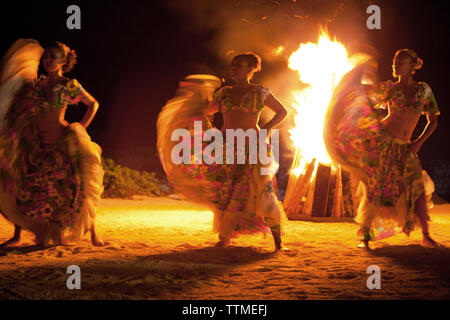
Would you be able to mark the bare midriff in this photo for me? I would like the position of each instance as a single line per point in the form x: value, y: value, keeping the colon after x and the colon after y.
x: 51, y: 125
x: 240, y: 119
x: 401, y: 124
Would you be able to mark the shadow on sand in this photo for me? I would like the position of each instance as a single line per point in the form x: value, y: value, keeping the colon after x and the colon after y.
x: 159, y: 276
x: 22, y: 249
x: 227, y: 256
x: 416, y: 257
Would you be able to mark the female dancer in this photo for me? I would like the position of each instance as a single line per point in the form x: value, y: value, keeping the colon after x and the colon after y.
x: 241, y: 198
x: 381, y: 153
x: 51, y: 176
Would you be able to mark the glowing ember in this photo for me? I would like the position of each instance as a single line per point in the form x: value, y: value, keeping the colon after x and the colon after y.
x: 278, y: 50
x: 321, y: 65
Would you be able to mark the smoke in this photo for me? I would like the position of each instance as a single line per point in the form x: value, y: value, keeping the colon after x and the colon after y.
x: 273, y: 30
x: 263, y: 26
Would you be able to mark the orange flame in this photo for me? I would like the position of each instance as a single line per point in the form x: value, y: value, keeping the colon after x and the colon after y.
x: 321, y: 65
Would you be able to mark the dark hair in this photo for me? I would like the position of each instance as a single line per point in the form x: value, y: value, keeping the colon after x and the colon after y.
x: 407, y: 53
x: 253, y: 60
x: 69, y: 54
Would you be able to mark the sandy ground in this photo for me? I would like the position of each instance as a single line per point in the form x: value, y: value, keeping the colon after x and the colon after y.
x: 161, y: 248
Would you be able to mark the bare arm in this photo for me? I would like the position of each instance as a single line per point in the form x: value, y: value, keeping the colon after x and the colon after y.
x: 278, y: 108
x: 92, y: 104
x: 429, y: 129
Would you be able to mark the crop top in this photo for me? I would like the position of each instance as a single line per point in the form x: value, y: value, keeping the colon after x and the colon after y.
x: 387, y: 94
x: 62, y: 95
x: 252, y: 101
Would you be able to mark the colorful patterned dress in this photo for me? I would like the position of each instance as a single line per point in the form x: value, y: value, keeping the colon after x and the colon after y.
x: 392, y: 178
x: 241, y: 198
x: 48, y: 187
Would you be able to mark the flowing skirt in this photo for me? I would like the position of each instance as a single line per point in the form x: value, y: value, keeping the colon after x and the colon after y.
x: 391, y: 177
x: 242, y: 199
x: 52, y: 190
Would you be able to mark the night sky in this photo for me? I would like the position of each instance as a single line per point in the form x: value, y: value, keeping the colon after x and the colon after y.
x: 131, y: 54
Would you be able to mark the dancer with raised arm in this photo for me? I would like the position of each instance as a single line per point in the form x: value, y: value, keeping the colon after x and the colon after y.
x: 51, y: 176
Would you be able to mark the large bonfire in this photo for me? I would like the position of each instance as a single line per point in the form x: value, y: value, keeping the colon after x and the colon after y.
x: 320, y: 66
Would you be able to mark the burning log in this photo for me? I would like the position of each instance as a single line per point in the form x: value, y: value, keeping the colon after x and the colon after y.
x: 298, y: 186
x: 322, y: 191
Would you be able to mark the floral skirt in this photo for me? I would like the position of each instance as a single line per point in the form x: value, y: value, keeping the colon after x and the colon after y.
x: 243, y: 200
x: 58, y: 188
x: 394, y: 183
x: 51, y: 189
x: 391, y: 177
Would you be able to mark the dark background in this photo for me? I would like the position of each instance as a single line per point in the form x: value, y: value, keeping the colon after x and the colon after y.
x: 131, y: 55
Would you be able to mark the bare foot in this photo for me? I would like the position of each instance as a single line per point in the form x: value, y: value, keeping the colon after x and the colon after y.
x: 364, y: 245
x: 429, y: 242
x: 277, y: 239
x: 281, y: 247
x: 95, y: 239
x: 223, y: 243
